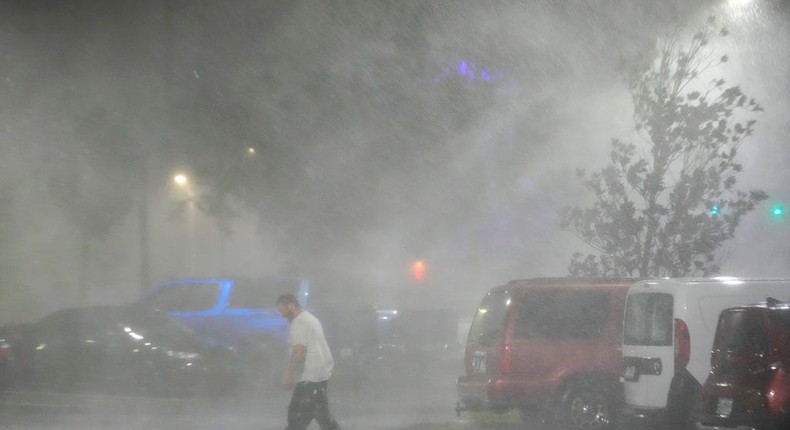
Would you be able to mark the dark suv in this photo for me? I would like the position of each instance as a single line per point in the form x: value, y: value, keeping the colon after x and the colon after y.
x: 547, y: 346
x: 749, y: 383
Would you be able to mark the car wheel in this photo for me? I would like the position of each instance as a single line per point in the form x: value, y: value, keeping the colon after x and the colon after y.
x: 586, y: 405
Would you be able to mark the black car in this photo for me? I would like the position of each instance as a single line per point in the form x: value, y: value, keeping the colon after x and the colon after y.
x: 116, y: 349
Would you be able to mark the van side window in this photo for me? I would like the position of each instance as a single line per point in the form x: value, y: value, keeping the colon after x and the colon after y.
x: 562, y: 315
x: 261, y: 293
x: 648, y: 319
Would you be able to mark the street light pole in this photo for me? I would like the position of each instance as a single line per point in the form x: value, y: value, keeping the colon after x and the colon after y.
x: 143, y: 206
x: 142, y: 217
x: 182, y: 181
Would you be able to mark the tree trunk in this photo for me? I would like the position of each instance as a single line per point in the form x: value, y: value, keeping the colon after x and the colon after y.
x: 647, y: 246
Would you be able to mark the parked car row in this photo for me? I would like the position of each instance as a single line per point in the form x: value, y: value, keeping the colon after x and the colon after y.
x: 199, y: 336
x: 593, y: 353
x: 114, y: 349
x: 669, y: 332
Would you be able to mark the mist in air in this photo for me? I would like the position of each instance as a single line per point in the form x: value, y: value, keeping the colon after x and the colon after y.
x: 339, y: 142
x: 369, y: 135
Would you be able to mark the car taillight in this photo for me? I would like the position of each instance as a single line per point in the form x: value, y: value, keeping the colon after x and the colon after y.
x: 505, y: 358
x: 778, y: 393
x: 682, y: 345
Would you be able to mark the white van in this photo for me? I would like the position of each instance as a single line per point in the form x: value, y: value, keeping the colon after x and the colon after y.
x: 667, y: 338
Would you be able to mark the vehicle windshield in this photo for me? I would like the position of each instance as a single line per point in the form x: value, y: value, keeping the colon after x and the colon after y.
x: 137, y: 321
x: 490, y: 316
x: 157, y: 322
x: 648, y: 319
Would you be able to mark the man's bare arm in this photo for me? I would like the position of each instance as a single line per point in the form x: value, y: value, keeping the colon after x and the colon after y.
x: 295, y: 365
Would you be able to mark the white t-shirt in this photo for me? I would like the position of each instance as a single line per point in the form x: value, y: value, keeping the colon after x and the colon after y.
x: 318, y: 363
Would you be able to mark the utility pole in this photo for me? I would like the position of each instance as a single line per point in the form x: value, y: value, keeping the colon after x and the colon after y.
x: 142, y: 216
x: 166, y: 64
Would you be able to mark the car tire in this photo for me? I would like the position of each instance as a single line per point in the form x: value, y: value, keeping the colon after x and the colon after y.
x: 586, y: 405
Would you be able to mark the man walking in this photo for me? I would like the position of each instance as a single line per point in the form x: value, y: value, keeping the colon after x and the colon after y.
x: 309, y: 367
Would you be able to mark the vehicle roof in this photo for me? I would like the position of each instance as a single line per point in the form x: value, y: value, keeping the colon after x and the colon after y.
x: 568, y: 282
x: 711, y: 280
x: 195, y: 280
x: 698, y: 286
x: 98, y: 308
x: 220, y: 279
x: 770, y: 304
x: 99, y: 311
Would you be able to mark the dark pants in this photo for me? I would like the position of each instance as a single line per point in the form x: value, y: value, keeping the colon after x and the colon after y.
x: 307, y: 402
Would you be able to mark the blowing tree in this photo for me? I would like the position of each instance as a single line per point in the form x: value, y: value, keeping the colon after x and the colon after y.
x: 665, y: 206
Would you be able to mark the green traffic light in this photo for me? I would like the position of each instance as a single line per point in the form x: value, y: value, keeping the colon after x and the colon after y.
x: 714, y: 210
x: 777, y: 210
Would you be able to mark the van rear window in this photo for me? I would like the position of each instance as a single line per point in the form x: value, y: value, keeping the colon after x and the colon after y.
x: 490, y: 317
x: 648, y: 319
x: 742, y: 331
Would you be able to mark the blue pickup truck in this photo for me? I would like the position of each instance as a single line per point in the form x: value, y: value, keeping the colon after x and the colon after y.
x: 241, y: 313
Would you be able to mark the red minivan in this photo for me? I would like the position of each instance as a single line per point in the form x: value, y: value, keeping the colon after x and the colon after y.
x: 549, y: 347
x: 749, y: 383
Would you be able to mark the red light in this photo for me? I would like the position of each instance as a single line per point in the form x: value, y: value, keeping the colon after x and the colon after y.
x: 682, y: 345
x: 506, y: 358
x: 418, y: 270
x: 778, y: 394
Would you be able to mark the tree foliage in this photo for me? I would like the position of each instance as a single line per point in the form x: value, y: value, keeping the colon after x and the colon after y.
x: 652, y: 212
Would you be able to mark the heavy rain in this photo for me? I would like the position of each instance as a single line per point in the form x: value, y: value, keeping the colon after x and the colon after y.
x: 387, y: 162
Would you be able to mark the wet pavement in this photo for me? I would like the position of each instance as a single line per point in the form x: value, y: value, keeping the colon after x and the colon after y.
x: 393, y: 403
x: 45, y: 411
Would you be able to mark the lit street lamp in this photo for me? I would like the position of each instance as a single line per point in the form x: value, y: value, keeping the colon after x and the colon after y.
x: 181, y: 180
